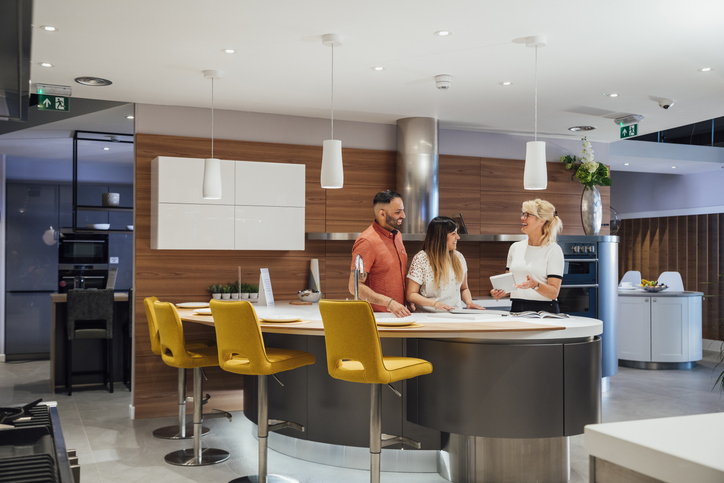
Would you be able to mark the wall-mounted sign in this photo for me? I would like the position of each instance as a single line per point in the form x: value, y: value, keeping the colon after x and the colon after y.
x: 629, y: 131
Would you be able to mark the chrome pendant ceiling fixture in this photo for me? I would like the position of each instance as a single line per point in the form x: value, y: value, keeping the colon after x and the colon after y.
x: 332, y: 170
x: 212, y: 166
x: 535, y: 176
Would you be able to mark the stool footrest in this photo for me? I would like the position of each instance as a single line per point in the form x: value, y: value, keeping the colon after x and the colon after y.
x: 217, y: 413
x: 277, y: 424
x: 389, y: 440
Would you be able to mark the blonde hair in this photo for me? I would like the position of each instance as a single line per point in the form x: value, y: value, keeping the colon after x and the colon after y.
x: 546, y: 211
x: 435, y: 247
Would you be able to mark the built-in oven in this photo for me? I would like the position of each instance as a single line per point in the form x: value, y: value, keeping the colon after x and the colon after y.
x: 579, y: 287
x: 82, y: 276
x: 83, y: 249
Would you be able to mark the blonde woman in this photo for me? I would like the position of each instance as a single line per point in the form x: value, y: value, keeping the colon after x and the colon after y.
x: 438, y: 275
x: 536, y: 263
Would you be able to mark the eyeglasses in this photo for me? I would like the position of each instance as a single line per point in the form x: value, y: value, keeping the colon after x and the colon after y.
x: 525, y: 215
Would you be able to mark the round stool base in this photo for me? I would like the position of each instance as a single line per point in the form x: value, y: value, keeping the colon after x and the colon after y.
x: 172, y: 432
x: 269, y: 479
x: 186, y: 457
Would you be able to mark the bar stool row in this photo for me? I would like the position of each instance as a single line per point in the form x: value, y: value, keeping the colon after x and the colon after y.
x: 354, y: 354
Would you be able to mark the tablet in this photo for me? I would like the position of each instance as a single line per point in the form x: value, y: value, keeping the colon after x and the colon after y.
x: 504, y: 282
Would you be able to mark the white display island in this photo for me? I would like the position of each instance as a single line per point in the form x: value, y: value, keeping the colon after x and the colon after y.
x: 659, y: 330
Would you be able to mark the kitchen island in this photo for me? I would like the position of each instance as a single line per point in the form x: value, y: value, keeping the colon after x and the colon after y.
x: 500, y: 385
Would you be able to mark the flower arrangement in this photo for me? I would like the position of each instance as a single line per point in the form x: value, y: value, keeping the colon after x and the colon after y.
x: 588, y: 172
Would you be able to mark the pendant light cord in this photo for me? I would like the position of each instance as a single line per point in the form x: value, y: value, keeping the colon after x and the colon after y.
x: 332, y: 92
x: 212, y: 117
x: 536, y: 93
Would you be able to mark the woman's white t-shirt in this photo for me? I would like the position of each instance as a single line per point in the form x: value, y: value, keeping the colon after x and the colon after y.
x: 449, y: 290
x: 538, y: 262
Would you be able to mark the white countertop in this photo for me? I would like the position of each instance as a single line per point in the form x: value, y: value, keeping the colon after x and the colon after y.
x: 680, y: 449
x: 639, y: 292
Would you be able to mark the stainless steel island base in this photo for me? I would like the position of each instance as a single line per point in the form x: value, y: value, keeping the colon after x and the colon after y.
x: 505, y: 460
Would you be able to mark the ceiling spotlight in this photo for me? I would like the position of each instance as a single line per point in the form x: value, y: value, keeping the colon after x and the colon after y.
x: 705, y: 69
x: 45, y: 64
x: 506, y: 83
x: 48, y: 28
x: 106, y: 149
x: 378, y: 68
x: 229, y: 51
x: 613, y: 94
x: 625, y: 164
x: 93, y: 81
x: 581, y: 128
x: 130, y: 117
x: 673, y: 167
x: 443, y: 33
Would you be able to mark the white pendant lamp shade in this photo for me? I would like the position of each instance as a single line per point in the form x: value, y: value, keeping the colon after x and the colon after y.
x: 535, y: 175
x: 212, y: 179
x: 332, y: 171
x: 211, y: 189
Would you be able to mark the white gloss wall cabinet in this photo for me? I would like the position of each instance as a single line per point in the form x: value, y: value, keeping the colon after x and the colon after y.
x: 660, y: 328
x: 262, y: 206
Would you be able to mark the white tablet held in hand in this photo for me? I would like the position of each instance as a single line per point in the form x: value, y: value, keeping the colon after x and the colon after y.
x: 504, y: 282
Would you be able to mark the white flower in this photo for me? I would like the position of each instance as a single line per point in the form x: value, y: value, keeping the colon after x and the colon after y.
x: 591, y: 166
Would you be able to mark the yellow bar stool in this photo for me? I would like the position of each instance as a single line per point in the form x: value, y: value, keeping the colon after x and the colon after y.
x: 183, y: 430
x: 354, y: 354
x: 242, y: 351
x: 175, y: 353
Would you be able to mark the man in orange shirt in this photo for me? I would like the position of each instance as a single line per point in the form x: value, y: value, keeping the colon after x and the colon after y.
x: 383, y: 256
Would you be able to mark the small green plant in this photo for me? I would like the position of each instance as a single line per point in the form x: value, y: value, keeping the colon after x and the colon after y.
x: 244, y: 288
x: 226, y: 288
x: 216, y: 288
x: 253, y: 288
x: 234, y: 287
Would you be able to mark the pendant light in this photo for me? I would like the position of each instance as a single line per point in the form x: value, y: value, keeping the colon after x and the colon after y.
x: 332, y: 170
x: 535, y: 176
x: 212, y: 166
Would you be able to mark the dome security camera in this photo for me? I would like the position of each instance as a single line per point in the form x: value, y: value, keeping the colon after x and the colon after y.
x: 443, y: 81
x: 665, y: 103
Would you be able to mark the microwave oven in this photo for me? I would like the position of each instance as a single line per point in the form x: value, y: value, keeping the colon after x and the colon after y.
x: 83, y: 248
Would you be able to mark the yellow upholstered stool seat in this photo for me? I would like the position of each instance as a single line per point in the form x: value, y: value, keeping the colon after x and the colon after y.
x: 176, y: 353
x: 354, y: 354
x: 182, y: 430
x: 242, y: 351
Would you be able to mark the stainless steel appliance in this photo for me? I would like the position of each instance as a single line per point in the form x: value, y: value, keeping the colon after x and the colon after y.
x: 82, y: 276
x: 83, y: 249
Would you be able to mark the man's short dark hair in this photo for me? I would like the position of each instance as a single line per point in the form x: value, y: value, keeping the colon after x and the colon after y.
x: 385, y: 197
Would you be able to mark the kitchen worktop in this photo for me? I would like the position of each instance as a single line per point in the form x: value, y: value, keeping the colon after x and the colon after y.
x: 684, y: 448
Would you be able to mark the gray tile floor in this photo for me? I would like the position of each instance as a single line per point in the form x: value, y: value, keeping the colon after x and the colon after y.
x: 114, y: 448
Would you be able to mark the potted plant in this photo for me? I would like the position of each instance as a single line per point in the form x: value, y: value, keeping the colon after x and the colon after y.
x: 226, y: 292
x: 234, y: 290
x: 215, y: 290
x: 254, y: 291
x: 244, y: 287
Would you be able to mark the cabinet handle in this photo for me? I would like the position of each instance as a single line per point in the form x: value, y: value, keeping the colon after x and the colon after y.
x: 653, y: 300
x: 646, y: 300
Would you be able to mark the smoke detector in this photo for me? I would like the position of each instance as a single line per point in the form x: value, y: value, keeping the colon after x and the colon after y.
x: 443, y: 81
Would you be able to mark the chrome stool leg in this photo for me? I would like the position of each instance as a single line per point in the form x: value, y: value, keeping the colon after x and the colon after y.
x: 197, y: 456
x: 182, y: 430
x: 263, y: 431
x: 375, y: 432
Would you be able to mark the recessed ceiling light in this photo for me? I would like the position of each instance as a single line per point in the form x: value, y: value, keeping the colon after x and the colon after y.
x: 45, y: 64
x: 106, y: 149
x: 705, y: 69
x: 673, y: 167
x: 48, y: 28
x: 506, y: 83
x: 613, y: 94
x: 625, y: 164
x: 93, y: 81
x: 129, y: 117
x: 443, y: 33
x: 581, y: 128
x: 378, y: 68
x: 229, y: 51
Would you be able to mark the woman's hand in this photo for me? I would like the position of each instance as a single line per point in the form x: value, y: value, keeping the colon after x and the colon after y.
x: 497, y: 294
x: 441, y: 306
x: 473, y: 305
x: 529, y: 283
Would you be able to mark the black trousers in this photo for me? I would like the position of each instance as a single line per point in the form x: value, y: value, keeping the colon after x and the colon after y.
x: 522, y: 305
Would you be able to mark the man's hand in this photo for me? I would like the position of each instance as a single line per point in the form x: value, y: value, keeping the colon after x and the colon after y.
x: 398, y: 309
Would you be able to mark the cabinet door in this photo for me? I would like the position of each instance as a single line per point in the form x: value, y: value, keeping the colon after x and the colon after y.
x: 180, y: 180
x: 669, y: 339
x: 193, y: 227
x: 269, y: 228
x: 634, y: 329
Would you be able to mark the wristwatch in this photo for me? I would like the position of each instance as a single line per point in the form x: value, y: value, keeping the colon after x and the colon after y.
x: 536, y: 287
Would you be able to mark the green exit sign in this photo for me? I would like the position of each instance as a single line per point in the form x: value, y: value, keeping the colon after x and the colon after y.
x: 53, y: 103
x: 629, y: 131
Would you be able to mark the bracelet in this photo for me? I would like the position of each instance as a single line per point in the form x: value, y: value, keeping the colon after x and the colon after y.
x: 389, y: 302
x: 434, y: 303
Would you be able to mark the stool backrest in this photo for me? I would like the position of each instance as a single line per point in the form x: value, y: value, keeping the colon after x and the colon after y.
x: 238, y: 333
x: 350, y: 333
x: 672, y: 280
x: 152, y: 324
x: 171, y: 332
x: 90, y: 305
x: 633, y: 276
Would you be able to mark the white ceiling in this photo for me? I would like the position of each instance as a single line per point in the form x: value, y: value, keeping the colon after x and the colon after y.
x: 155, y: 52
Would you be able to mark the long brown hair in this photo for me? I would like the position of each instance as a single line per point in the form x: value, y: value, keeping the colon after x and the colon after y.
x: 545, y: 210
x: 435, y: 247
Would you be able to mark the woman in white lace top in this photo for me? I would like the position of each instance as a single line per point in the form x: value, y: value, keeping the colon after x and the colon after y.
x: 438, y: 275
